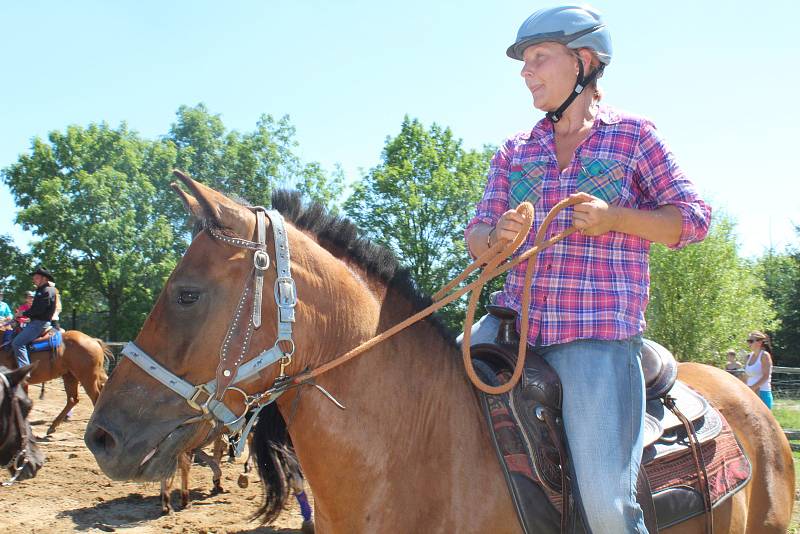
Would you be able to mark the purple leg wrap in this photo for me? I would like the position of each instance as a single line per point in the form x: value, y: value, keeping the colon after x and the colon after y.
x: 305, y: 508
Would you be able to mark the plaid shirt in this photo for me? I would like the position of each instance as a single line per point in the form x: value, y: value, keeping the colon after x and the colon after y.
x: 589, y: 287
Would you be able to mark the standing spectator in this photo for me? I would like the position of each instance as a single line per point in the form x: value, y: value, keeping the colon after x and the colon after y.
x: 759, y: 366
x: 39, y: 313
x: 733, y: 364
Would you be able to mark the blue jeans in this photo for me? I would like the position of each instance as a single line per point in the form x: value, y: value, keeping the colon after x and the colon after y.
x: 21, y: 340
x: 603, y: 411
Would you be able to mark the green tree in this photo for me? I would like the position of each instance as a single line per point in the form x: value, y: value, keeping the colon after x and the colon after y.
x: 14, y: 268
x: 704, y: 298
x: 84, y: 194
x: 418, y: 200
x: 781, y: 274
x: 248, y: 165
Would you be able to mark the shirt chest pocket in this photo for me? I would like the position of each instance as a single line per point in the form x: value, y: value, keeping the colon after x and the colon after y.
x: 602, y: 178
x: 525, y: 182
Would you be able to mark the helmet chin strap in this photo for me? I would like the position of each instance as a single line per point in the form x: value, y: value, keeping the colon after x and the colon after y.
x: 580, y: 85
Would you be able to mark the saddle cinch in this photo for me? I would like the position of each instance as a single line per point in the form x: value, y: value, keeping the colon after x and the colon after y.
x: 685, y: 460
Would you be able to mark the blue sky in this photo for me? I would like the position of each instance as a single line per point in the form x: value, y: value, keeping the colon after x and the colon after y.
x: 717, y: 78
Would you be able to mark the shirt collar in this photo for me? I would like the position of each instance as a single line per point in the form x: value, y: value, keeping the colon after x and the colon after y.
x: 605, y: 115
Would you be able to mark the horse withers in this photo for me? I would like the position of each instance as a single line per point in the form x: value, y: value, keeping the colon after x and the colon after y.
x: 80, y: 359
x: 19, y: 453
x: 410, y: 453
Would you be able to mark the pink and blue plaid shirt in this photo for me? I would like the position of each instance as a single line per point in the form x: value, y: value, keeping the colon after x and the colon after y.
x: 589, y: 287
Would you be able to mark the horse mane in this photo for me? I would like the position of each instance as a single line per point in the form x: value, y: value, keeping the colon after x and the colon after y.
x: 340, y: 233
x: 336, y: 233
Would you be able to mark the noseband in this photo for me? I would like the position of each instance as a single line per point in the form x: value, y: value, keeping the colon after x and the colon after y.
x: 207, y: 398
x: 19, y: 460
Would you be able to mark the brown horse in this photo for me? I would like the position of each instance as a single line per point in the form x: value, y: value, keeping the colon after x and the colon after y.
x: 19, y: 452
x: 79, y: 359
x: 410, y: 453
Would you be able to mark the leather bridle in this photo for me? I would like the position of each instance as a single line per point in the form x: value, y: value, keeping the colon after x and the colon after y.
x: 207, y: 398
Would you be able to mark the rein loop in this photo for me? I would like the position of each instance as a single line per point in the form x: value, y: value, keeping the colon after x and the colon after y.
x: 491, y: 261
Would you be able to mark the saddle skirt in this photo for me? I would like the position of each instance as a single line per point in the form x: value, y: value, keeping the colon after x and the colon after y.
x: 50, y: 340
x: 526, y: 449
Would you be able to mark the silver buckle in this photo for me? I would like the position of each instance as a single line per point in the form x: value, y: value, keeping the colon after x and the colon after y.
x: 285, y: 284
x: 261, y: 260
x: 192, y: 401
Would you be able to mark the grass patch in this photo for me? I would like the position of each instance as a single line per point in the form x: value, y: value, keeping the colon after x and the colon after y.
x: 787, y: 412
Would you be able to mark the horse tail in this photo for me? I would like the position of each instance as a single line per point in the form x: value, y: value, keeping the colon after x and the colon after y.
x: 108, y: 357
x: 274, y: 458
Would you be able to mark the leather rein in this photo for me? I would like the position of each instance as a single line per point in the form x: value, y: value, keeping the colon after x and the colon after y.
x: 207, y: 398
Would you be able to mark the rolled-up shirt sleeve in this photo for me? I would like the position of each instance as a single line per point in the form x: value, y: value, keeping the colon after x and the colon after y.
x: 495, y: 196
x: 663, y: 182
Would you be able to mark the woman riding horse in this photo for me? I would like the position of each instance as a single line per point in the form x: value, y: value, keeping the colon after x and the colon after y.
x: 589, y: 292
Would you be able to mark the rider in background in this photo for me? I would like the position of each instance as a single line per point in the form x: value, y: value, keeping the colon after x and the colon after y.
x: 55, y: 319
x: 5, y: 311
x: 590, y: 290
x: 22, y: 308
x: 40, y: 313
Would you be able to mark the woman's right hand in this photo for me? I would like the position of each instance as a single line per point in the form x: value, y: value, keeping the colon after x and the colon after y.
x: 508, y: 226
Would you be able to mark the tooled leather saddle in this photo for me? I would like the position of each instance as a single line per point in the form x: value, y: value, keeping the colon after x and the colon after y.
x: 676, y: 416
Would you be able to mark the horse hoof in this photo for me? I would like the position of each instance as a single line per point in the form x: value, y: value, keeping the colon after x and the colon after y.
x: 50, y: 431
x: 243, y: 481
x: 308, y: 527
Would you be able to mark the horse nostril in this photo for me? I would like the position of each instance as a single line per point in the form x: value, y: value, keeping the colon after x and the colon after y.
x: 101, y: 440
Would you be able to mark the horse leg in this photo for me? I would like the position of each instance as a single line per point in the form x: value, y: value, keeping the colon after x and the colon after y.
x: 184, y: 464
x: 244, y: 479
x: 296, y: 483
x: 219, y: 450
x: 71, y: 388
x: 41, y: 392
x: 166, y: 509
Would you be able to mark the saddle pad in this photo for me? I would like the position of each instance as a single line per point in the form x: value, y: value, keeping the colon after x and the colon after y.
x: 50, y: 343
x: 673, y: 478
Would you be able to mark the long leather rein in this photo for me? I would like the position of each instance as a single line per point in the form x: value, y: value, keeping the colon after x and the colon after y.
x: 207, y: 398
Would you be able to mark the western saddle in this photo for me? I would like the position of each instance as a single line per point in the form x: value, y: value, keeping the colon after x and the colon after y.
x: 676, y: 417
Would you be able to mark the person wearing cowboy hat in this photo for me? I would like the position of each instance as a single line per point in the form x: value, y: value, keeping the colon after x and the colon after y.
x: 40, y: 313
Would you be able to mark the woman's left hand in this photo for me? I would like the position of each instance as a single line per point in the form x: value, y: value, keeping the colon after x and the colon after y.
x: 594, y: 216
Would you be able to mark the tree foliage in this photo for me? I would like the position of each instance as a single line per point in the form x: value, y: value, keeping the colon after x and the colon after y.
x: 85, y: 195
x: 781, y: 275
x: 704, y: 298
x: 418, y: 200
x: 14, y: 268
x: 107, y: 223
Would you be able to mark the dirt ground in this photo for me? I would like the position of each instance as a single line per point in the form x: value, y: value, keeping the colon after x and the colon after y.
x: 71, y: 494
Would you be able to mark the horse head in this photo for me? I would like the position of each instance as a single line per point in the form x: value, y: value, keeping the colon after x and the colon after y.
x: 19, y: 452
x: 201, y: 329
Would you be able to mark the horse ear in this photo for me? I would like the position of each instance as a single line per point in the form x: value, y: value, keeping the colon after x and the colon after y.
x: 17, y: 375
x: 188, y: 200
x: 219, y: 208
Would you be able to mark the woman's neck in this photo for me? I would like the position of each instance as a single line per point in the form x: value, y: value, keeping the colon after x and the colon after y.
x: 579, y: 116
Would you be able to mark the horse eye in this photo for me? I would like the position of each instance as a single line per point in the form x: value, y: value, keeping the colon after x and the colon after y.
x: 187, y: 297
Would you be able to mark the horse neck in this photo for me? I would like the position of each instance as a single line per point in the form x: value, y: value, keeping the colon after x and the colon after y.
x: 411, y: 418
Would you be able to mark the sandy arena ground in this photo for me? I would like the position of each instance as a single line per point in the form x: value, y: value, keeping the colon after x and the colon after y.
x: 71, y: 494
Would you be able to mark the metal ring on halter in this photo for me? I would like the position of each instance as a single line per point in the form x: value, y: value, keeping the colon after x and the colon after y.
x: 285, y: 354
x: 261, y: 260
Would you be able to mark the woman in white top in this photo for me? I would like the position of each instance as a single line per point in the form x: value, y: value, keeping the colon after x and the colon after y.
x: 759, y: 366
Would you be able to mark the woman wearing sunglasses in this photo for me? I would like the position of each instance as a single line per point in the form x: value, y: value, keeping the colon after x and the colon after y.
x: 758, y: 368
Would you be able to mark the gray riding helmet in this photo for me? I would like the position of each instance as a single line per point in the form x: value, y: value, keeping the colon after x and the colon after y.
x: 573, y: 26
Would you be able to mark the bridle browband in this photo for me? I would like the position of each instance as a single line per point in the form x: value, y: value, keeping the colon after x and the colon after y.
x: 207, y: 398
